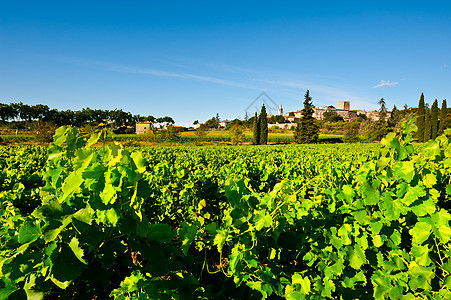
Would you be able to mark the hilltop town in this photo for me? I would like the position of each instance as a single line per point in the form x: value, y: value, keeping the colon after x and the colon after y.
x: 290, y: 118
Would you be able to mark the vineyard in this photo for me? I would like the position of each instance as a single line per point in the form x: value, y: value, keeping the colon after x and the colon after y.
x: 86, y: 219
x: 220, y: 136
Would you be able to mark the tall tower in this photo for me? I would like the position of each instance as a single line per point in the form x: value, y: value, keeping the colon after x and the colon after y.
x: 344, y: 105
x: 280, y: 110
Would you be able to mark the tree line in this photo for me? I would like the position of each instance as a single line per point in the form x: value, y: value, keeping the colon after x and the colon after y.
x: 431, y: 122
x: 260, y: 128
x: 20, y: 112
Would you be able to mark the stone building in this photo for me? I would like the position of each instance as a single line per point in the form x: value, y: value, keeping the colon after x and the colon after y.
x: 344, y: 105
x: 347, y: 114
x: 143, y: 127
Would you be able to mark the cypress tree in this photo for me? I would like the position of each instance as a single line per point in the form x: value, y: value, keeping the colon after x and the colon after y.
x: 420, y: 119
x: 443, y: 118
x: 263, y: 126
x: 434, y: 120
x: 395, y: 117
x: 256, y: 130
x: 307, y: 130
x: 427, y: 125
x: 382, y: 111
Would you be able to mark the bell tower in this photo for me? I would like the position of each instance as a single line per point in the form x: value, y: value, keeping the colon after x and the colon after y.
x: 280, y: 110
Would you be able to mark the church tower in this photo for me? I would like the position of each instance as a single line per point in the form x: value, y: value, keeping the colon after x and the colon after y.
x: 280, y: 110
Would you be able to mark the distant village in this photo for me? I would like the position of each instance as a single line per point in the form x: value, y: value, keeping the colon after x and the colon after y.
x: 343, y: 110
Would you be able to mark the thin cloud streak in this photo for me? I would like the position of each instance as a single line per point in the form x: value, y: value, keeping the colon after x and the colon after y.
x: 443, y: 66
x: 384, y: 83
x: 160, y: 73
x: 257, y: 80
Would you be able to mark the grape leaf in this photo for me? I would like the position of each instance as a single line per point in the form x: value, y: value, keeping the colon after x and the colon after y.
x: 29, y: 233
x: 74, y: 245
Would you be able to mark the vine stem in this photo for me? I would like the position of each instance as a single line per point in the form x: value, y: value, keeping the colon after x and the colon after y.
x: 440, y: 257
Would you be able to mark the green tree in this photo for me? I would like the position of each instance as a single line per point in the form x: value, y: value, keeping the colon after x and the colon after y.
x: 263, y: 126
x: 236, y: 134
x: 362, y: 116
x: 276, y: 119
x: 212, y: 123
x: 382, y: 110
x: 395, y: 117
x: 39, y: 111
x: 352, y: 133
x: 420, y: 119
x: 427, y: 125
x: 307, y: 131
x: 373, y: 131
x: 235, y: 122
x: 171, y: 133
x: 434, y: 119
x: 332, y: 116
x: 443, y: 118
x: 201, y: 131
x: 256, y: 130
x: 7, y: 112
x: 44, y: 131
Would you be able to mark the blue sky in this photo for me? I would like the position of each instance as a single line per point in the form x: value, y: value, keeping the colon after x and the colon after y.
x: 193, y: 59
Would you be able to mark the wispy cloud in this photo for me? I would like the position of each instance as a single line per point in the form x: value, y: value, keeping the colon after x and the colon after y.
x: 161, y: 73
x: 385, y: 83
x: 443, y: 66
x: 271, y: 81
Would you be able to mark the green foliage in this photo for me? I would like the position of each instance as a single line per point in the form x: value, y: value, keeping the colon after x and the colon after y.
x: 420, y: 121
x: 335, y: 127
x: 236, y: 134
x: 352, y: 133
x: 307, y: 130
x: 434, y: 119
x: 262, y: 119
x: 395, y: 117
x: 171, y: 133
x: 444, y: 118
x: 88, y: 192
x: 332, y: 116
x: 292, y: 221
x: 45, y: 131
x: 382, y: 110
x: 276, y: 119
x: 427, y: 125
x: 362, y: 116
x: 21, y: 170
x: 201, y: 131
x: 29, y: 113
x: 212, y: 123
x: 256, y: 132
x: 373, y: 131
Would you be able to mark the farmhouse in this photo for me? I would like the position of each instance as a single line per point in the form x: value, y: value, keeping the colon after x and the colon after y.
x: 224, y: 123
x: 143, y: 127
